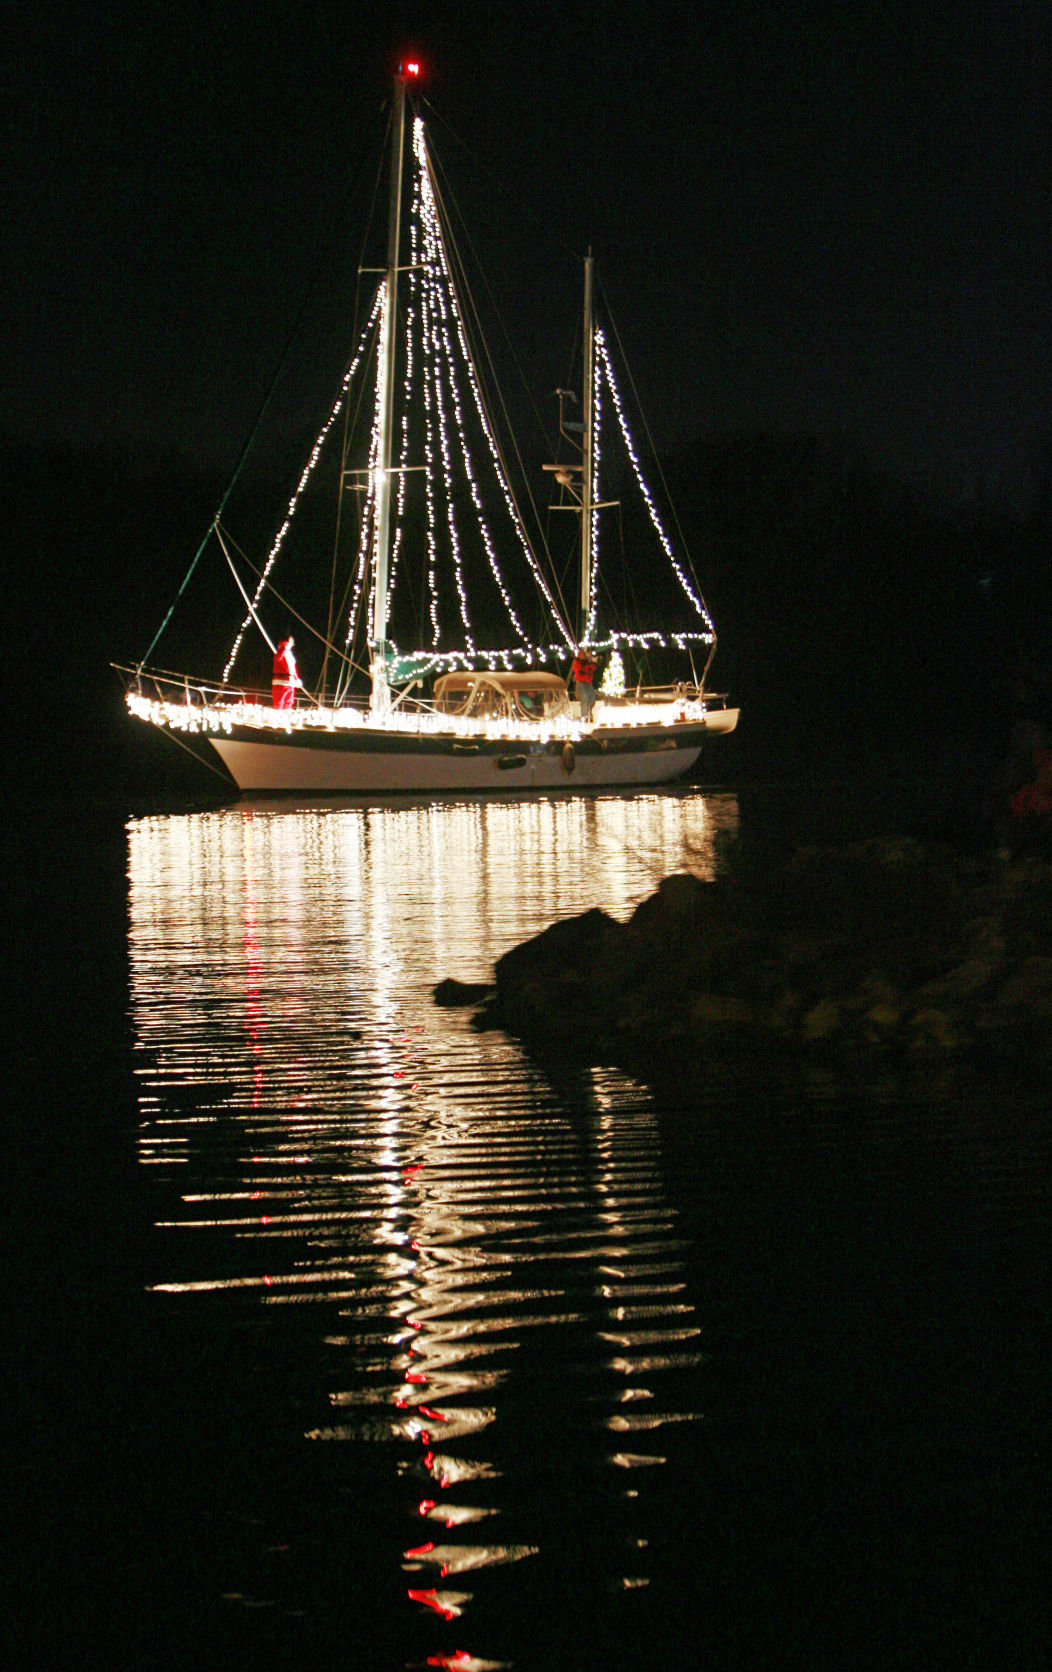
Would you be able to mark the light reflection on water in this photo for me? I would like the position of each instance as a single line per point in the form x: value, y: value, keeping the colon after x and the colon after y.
x: 489, y: 1281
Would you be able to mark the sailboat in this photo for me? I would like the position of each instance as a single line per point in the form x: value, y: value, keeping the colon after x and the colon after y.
x: 443, y: 713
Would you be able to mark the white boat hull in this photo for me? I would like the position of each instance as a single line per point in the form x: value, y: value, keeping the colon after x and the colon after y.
x: 338, y: 763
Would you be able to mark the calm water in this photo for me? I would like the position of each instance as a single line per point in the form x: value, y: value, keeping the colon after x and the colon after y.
x: 467, y: 1287
x: 437, y: 1359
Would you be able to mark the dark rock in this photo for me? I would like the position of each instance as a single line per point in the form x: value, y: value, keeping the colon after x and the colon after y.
x: 489, y: 1016
x: 573, y: 946
x: 450, y: 994
x: 883, y: 951
x: 550, y: 984
x: 678, y: 897
x: 674, y: 942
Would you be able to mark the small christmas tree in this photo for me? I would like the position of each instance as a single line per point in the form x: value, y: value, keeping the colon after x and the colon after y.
x: 613, y: 681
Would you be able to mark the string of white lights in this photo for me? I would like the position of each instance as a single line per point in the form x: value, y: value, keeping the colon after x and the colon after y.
x: 600, y: 343
x: 431, y: 215
x: 427, y: 304
x: 403, y: 457
x: 304, y: 479
x: 445, y: 294
x: 412, y: 310
x: 224, y: 715
x: 365, y: 536
x: 374, y: 466
x: 591, y: 625
x: 438, y: 347
x: 445, y: 384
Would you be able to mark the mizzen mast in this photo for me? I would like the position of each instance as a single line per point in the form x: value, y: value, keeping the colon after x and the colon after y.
x: 587, y: 507
x: 581, y: 487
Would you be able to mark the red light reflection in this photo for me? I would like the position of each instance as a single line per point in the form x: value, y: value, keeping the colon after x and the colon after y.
x: 430, y: 1599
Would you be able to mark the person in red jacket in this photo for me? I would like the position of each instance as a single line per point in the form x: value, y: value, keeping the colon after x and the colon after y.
x: 286, y: 681
x: 584, y: 671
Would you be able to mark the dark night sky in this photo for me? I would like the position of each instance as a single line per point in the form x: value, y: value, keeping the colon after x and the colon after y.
x: 828, y: 218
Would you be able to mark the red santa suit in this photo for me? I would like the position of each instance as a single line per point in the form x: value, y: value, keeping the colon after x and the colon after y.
x: 286, y: 680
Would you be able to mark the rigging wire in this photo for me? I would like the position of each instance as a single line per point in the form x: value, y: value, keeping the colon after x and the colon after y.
x: 312, y: 283
x: 305, y: 478
x: 489, y: 428
x: 201, y: 759
x: 446, y: 202
x: 336, y: 611
x: 308, y: 627
x: 251, y: 607
x: 653, y: 450
x: 333, y: 611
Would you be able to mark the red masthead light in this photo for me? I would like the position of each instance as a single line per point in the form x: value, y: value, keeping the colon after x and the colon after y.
x: 411, y: 68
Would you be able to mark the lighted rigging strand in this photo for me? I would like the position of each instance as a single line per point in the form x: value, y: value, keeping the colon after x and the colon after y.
x: 463, y: 291
x: 603, y: 354
x: 308, y: 472
x: 440, y: 282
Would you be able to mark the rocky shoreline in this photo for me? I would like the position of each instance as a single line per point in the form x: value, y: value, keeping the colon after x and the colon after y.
x: 889, y: 951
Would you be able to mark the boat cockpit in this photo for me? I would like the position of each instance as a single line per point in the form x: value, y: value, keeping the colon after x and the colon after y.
x: 493, y: 695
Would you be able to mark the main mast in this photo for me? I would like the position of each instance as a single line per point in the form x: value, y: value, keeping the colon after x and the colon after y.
x: 380, y: 700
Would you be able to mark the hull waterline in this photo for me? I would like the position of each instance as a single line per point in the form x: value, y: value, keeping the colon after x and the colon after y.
x: 328, y: 764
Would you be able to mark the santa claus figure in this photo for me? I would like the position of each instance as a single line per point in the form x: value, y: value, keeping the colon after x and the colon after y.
x: 286, y: 681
